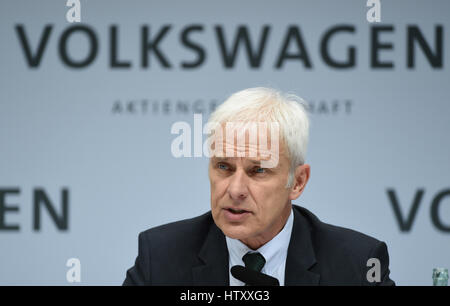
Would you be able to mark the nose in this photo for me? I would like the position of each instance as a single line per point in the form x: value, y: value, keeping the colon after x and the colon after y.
x: 237, y: 189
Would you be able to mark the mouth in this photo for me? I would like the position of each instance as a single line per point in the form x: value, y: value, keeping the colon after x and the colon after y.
x: 236, y: 211
x: 234, y: 214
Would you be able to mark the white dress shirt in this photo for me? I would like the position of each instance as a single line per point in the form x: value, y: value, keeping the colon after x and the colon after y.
x: 274, y: 251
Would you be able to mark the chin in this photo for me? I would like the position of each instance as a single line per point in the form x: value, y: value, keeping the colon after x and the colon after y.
x: 235, y: 231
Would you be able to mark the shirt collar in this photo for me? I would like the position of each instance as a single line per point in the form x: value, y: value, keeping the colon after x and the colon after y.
x: 275, y: 248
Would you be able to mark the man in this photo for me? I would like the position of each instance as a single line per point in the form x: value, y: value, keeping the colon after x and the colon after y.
x: 252, y: 221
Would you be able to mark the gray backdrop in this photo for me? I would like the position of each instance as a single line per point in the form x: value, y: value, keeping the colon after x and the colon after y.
x: 102, y: 133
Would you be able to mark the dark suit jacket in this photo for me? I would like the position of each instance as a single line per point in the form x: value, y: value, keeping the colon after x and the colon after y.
x: 194, y: 252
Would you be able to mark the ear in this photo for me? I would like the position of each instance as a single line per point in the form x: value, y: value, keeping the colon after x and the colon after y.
x: 301, y: 177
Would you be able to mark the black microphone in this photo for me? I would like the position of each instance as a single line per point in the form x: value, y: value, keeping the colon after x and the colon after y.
x: 253, y: 278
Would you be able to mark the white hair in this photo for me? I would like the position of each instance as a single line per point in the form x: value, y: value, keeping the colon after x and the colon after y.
x: 262, y: 104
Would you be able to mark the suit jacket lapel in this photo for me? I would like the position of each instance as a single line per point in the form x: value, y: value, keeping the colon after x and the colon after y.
x: 214, y: 270
x: 300, y: 257
x: 214, y: 255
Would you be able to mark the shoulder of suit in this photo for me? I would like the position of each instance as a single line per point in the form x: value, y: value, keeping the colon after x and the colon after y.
x: 337, y: 237
x: 187, y: 229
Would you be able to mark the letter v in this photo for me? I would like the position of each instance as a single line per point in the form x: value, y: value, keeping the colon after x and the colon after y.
x: 33, y: 60
x: 405, y: 225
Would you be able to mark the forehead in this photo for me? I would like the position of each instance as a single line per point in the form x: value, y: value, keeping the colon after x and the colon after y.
x: 254, y: 142
x: 248, y: 134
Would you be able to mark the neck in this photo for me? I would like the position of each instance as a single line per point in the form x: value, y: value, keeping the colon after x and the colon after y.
x: 256, y: 242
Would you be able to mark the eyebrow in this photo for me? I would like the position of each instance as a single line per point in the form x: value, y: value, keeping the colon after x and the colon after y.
x: 231, y: 158
x: 253, y: 161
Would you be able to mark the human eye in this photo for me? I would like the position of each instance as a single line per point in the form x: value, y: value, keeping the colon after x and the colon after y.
x: 259, y: 170
x: 222, y: 166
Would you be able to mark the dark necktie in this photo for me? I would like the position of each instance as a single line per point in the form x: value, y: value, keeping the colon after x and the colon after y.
x: 254, y: 261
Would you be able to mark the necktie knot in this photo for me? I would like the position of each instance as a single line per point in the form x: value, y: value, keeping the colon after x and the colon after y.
x: 254, y: 261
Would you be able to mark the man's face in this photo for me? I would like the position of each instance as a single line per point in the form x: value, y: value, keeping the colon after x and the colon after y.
x: 248, y: 202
